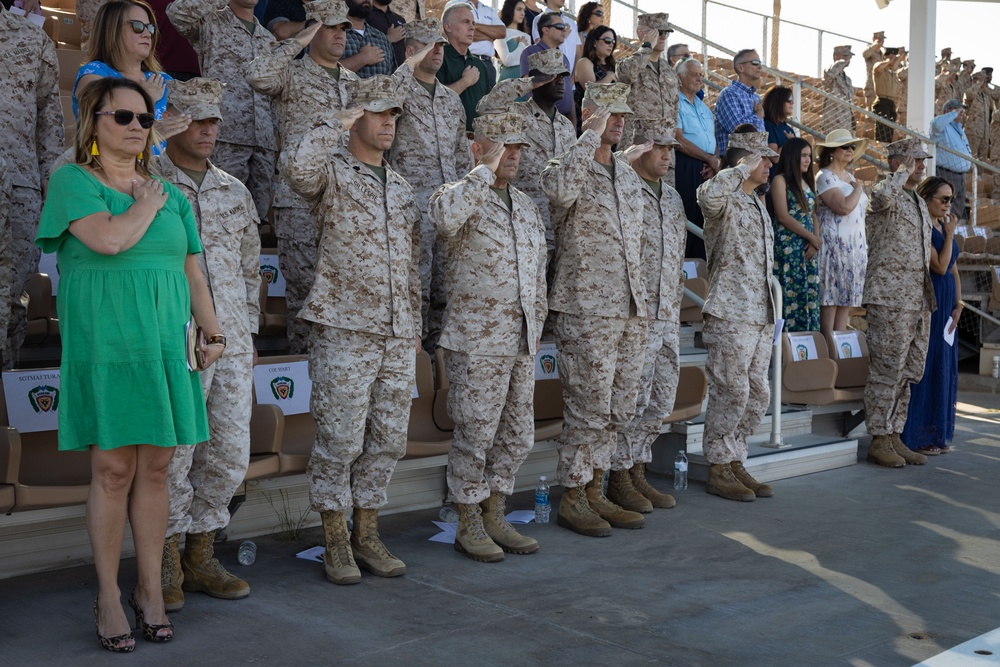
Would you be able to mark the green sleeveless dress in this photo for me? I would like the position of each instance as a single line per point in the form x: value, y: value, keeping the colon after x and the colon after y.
x: 124, y: 378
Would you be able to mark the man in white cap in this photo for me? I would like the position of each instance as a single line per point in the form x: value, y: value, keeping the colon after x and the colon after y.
x: 899, y: 298
x: 306, y: 91
x: 203, y: 479
x: 599, y: 299
x: 665, y: 232
x: 739, y: 313
x: 493, y: 323
x: 431, y: 149
x: 364, y: 311
x: 837, y: 83
x: 655, y: 87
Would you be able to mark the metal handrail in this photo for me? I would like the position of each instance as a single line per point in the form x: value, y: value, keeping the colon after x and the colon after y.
x: 786, y: 21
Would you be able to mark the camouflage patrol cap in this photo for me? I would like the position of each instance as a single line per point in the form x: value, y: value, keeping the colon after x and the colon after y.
x: 425, y: 31
x: 199, y: 97
x: 753, y: 142
x: 502, y: 128
x: 548, y: 62
x: 879, y: 35
x: 376, y: 93
x: 327, y: 12
x: 658, y: 130
x: 969, y: 63
x: 610, y: 96
x: 654, y: 21
x: 910, y: 147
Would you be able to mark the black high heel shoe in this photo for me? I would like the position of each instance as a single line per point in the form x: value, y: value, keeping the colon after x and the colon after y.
x: 113, y: 643
x: 151, y: 633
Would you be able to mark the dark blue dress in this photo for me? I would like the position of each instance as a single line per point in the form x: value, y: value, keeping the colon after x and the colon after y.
x: 930, y: 421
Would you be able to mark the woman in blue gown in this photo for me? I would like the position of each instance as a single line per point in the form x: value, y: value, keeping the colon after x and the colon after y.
x: 930, y: 421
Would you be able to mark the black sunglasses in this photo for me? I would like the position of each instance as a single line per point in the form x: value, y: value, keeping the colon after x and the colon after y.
x: 755, y: 63
x: 139, y: 26
x: 557, y: 26
x: 607, y: 40
x: 124, y: 117
x: 597, y: 12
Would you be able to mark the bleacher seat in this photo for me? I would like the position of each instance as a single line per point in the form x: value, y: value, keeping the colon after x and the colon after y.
x: 298, y: 432
x: 810, y: 381
x: 42, y: 327
x: 267, y: 428
x: 42, y: 476
x: 423, y: 437
x: 696, y: 280
x: 691, y: 388
x: 271, y: 324
x: 852, y: 368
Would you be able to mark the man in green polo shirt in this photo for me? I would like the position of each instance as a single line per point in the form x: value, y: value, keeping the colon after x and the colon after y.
x: 461, y: 71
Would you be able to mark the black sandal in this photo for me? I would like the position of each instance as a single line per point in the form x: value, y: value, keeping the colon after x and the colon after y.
x: 113, y: 644
x: 151, y: 633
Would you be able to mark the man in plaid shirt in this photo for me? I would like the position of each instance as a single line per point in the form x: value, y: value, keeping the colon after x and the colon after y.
x: 739, y: 102
x: 368, y: 50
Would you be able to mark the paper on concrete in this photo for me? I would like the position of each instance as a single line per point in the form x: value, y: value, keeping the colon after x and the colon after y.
x: 312, y: 553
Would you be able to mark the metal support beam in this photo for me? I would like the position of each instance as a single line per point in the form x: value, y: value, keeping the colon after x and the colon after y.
x: 920, y: 92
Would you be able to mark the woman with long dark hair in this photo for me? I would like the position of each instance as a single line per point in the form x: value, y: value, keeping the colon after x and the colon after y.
x: 517, y: 39
x: 590, y: 16
x: 778, y: 106
x: 796, y: 235
x: 597, y: 63
x: 930, y: 422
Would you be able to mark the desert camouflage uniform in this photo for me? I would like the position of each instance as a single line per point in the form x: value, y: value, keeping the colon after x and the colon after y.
x: 430, y: 149
x: 903, y: 77
x: 410, y: 10
x: 739, y: 313
x: 547, y: 137
x: 837, y: 83
x: 872, y: 56
x: 662, y: 265
x: 944, y: 90
x: 977, y: 121
x: 304, y: 95
x: 494, y: 318
x: 6, y: 259
x: 203, y: 478
x: 364, y: 306
x: 31, y: 125
x: 600, y: 299
x: 899, y: 297
x: 247, y: 139
x: 654, y: 93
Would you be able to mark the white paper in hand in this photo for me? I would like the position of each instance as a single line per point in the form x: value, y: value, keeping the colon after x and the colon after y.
x: 949, y: 333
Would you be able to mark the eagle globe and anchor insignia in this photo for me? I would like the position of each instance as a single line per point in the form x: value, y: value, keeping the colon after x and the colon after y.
x: 44, y: 399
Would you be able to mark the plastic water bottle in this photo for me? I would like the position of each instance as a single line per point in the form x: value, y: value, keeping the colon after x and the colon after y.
x: 681, y: 471
x: 542, y: 504
x: 996, y: 367
x: 247, y: 553
x: 448, y: 514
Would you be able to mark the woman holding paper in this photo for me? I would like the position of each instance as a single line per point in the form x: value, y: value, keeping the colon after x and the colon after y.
x: 129, y: 283
x: 930, y: 422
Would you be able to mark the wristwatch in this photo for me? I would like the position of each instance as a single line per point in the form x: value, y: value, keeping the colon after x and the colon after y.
x: 217, y: 339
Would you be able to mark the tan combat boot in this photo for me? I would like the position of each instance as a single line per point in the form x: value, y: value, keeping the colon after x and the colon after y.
x: 576, y: 514
x: 499, y: 529
x: 622, y: 493
x: 882, y: 452
x: 911, y: 457
x: 369, y: 552
x: 171, y: 576
x: 203, y: 572
x: 610, y: 512
x: 744, y: 478
x: 659, y: 500
x: 723, y: 483
x: 338, y: 559
x: 471, y: 538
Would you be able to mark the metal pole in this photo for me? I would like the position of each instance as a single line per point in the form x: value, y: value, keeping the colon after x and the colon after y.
x: 819, y: 55
x: 704, y: 32
x: 763, y: 46
x: 776, y: 442
x: 975, y: 194
x: 797, y: 100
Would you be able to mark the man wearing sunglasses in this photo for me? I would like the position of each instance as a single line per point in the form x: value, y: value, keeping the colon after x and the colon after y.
x: 32, y: 128
x: 306, y: 91
x: 554, y: 30
x: 202, y: 479
x: 899, y: 297
x: 227, y: 37
x: 836, y: 116
x: 739, y: 102
x: 654, y: 82
x: 571, y: 45
x: 364, y: 310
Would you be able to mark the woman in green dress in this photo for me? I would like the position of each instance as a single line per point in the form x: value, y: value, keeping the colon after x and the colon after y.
x: 129, y: 283
x: 796, y: 236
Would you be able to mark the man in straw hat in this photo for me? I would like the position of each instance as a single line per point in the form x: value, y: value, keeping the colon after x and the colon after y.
x: 548, y: 133
x: 872, y: 54
x: 654, y: 83
x: 431, y: 149
x: 837, y: 83
x: 739, y: 313
x: 665, y: 224
x: 899, y: 298
x: 226, y: 36
x: 306, y: 91
x: 599, y: 299
x: 493, y: 323
x: 364, y: 310
x: 203, y: 479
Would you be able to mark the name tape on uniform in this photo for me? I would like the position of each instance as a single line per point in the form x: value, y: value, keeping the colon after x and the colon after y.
x: 286, y: 385
x: 32, y: 399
